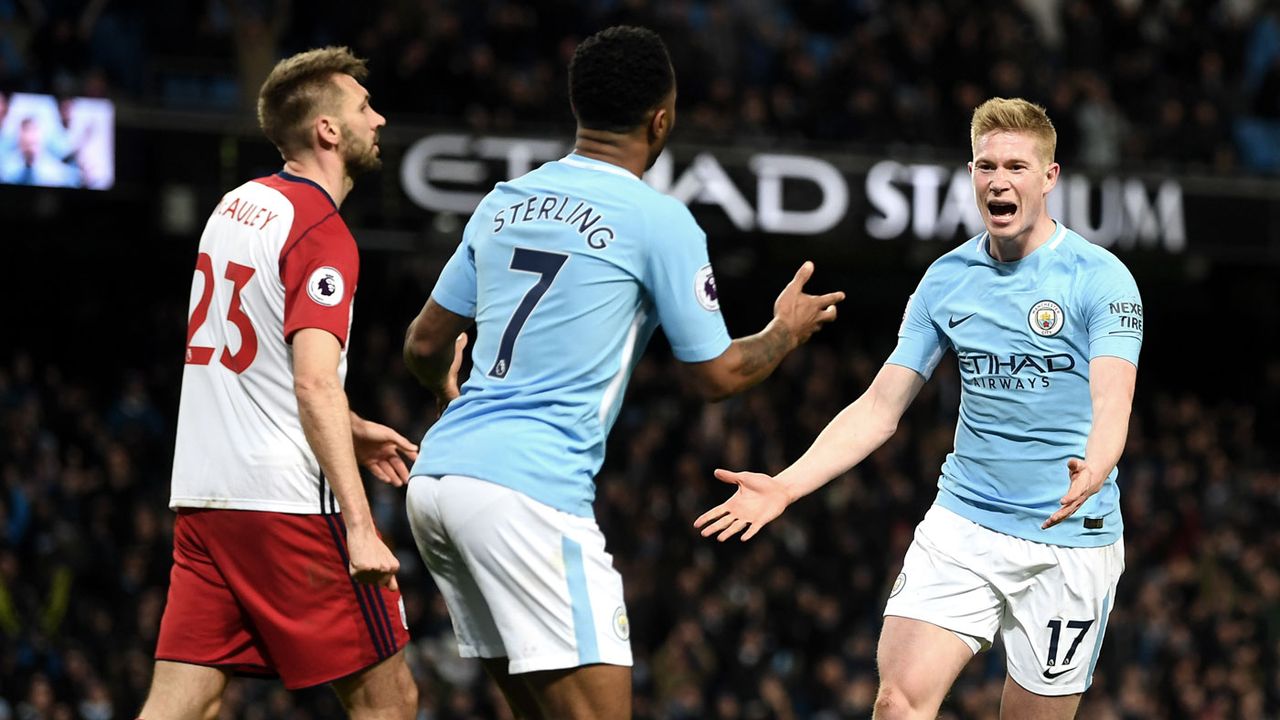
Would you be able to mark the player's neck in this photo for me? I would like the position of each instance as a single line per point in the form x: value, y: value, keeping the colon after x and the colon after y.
x: 331, y: 176
x: 1017, y: 247
x: 628, y: 152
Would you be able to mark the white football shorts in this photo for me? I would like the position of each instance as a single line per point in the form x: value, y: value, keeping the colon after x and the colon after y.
x: 1049, y: 603
x: 522, y: 580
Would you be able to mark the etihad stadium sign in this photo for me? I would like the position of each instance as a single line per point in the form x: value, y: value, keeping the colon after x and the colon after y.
x: 807, y: 194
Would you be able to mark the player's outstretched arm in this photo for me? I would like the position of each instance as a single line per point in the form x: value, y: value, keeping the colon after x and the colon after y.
x: 326, y: 421
x: 796, y: 317
x: 852, y: 435
x: 1111, y: 385
x: 433, y: 350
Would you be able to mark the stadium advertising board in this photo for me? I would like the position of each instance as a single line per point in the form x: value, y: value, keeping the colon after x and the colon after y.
x: 811, y: 195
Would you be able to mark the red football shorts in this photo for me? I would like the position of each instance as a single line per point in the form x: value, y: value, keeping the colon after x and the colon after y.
x: 268, y: 594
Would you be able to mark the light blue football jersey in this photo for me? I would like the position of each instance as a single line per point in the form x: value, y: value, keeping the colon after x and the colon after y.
x: 1024, y: 333
x: 568, y: 270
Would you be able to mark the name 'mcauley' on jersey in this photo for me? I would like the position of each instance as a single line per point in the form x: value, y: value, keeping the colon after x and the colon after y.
x: 568, y: 270
x: 1024, y: 333
x: 275, y: 257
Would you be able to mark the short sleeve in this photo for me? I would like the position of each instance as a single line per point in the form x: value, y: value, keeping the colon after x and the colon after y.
x: 683, y: 287
x: 319, y: 271
x: 921, y: 343
x: 455, y: 289
x: 1114, y: 310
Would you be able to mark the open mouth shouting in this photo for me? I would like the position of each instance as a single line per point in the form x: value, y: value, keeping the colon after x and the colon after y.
x: 1001, y: 211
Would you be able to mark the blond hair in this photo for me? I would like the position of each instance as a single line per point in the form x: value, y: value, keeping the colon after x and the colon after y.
x: 300, y: 87
x: 1014, y: 115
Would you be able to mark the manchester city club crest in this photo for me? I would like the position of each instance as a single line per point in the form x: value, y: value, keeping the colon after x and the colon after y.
x: 1046, y: 318
x: 898, y: 584
x: 621, y: 625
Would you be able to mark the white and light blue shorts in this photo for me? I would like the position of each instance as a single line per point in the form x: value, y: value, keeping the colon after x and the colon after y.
x: 521, y: 579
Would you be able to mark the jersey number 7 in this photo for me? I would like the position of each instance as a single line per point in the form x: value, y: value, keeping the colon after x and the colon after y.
x: 546, y: 265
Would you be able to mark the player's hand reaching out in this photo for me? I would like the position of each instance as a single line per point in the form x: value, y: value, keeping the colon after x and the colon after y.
x: 371, y: 561
x: 1085, y: 483
x: 803, y: 314
x: 760, y: 498
x: 378, y: 448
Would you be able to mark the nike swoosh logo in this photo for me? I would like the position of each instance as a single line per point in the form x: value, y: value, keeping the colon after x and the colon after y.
x: 1049, y: 676
x: 952, y: 321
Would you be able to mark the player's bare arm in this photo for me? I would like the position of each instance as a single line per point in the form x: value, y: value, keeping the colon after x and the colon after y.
x: 433, y: 347
x: 379, y: 448
x: 326, y: 420
x: 850, y: 437
x: 1111, y: 386
x: 796, y: 317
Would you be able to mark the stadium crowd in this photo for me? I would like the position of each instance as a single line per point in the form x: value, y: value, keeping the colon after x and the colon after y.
x: 781, y: 627
x: 1126, y: 81
x: 784, y: 626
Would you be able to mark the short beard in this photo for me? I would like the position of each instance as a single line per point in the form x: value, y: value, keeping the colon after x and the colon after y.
x: 359, y: 161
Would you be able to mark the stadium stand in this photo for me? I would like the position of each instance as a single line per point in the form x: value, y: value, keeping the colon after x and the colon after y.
x: 784, y: 626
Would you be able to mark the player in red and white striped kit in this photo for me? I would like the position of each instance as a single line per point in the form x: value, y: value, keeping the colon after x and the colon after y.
x: 269, y: 579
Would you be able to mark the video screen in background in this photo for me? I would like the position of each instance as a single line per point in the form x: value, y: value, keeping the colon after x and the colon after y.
x: 57, y: 142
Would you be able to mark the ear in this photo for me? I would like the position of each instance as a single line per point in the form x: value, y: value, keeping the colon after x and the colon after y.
x: 1051, y: 174
x: 970, y: 168
x: 659, y: 125
x: 327, y: 130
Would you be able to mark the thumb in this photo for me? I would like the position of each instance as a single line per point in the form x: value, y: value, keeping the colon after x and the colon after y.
x: 392, y: 585
x: 727, y: 476
x: 460, y: 343
x: 1075, y: 465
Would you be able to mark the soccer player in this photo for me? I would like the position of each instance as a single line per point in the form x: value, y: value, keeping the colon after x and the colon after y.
x: 278, y: 569
x: 566, y: 272
x: 1024, y: 538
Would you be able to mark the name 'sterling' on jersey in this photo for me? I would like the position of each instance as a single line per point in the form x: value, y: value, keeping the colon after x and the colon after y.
x: 552, y: 207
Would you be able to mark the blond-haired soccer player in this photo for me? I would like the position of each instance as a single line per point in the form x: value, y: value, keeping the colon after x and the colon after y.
x: 1024, y: 537
x: 278, y: 569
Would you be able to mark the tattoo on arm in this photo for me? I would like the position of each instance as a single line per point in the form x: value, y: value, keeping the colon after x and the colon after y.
x: 761, y: 353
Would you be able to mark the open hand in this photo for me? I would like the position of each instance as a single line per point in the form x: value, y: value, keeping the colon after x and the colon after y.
x: 1085, y: 483
x: 378, y: 448
x: 760, y: 498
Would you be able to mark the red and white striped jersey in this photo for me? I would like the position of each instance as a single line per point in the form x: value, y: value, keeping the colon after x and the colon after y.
x: 275, y: 257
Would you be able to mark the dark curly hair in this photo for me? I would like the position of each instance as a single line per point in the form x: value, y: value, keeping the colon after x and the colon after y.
x: 617, y: 76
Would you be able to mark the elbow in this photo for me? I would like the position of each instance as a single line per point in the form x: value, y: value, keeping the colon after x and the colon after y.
x: 419, y: 349
x: 882, y: 424
x: 714, y: 380
x: 887, y: 429
x: 310, y: 385
x: 709, y: 388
